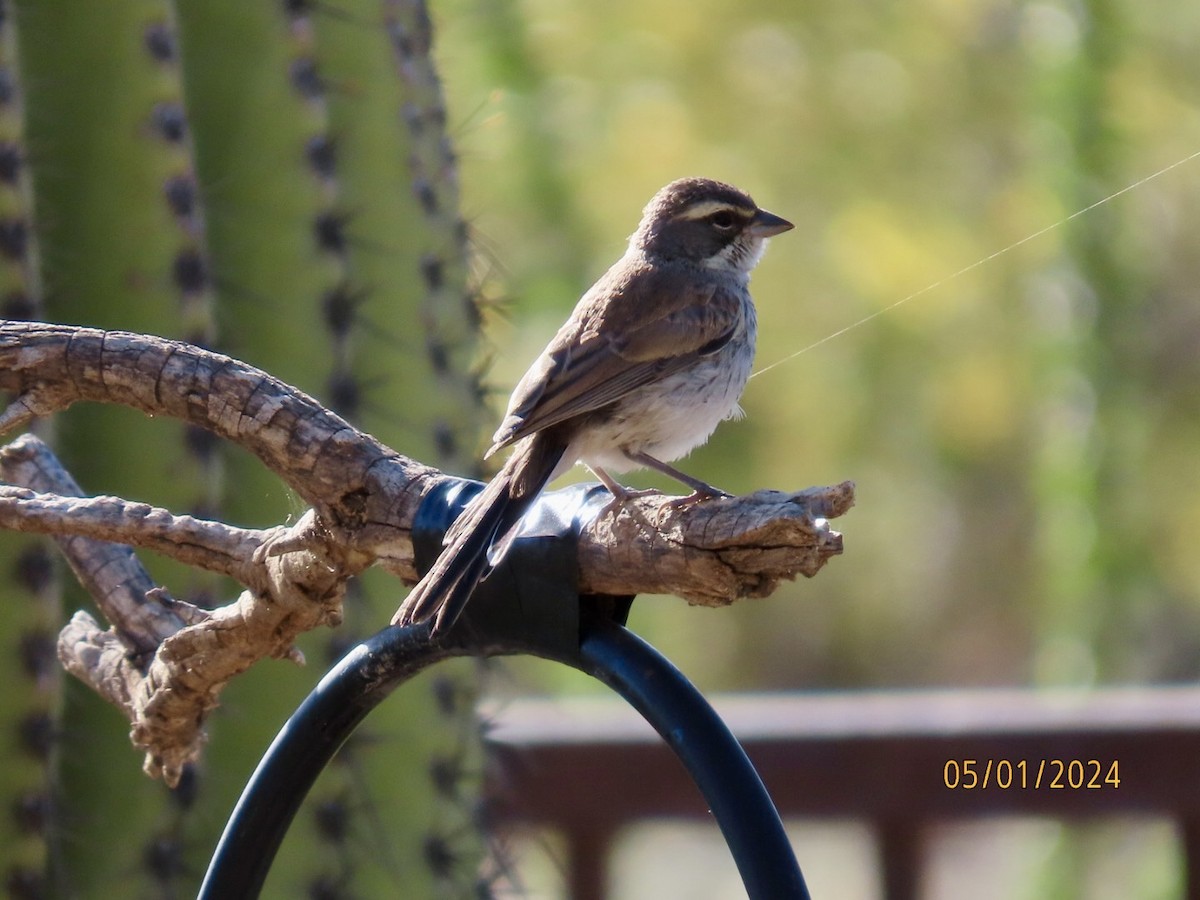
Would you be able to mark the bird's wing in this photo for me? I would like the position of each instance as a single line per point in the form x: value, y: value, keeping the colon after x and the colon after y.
x: 624, y: 334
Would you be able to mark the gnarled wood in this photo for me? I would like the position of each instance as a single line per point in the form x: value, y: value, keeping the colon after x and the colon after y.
x: 164, y: 662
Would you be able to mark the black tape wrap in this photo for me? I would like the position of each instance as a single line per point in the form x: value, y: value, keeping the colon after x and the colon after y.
x: 532, y: 595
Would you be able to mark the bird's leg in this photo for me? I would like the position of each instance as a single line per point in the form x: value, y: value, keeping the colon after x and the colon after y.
x: 621, y: 495
x: 701, y: 490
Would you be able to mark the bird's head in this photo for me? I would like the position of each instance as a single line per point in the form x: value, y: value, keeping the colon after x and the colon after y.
x: 706, y: 222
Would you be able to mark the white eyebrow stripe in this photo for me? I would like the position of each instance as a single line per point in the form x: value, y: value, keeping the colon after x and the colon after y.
x: 708, y: 207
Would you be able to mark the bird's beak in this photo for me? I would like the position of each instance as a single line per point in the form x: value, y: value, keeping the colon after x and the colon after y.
x: 765, y: 224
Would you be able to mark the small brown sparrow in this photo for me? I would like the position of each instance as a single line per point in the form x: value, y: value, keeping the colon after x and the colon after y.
x: 654, y: 356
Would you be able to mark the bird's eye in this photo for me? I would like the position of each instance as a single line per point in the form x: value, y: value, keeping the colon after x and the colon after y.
x: 723, y: 220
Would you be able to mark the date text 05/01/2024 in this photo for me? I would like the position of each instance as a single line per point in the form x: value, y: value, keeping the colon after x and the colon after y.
x: 1037, y: 774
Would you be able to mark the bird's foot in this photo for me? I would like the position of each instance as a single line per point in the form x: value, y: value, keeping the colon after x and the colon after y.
x: 698, y: 495
x: 622, y: 499
x: 701, y: 490
x: 621, y: 495
x: 624, y: 494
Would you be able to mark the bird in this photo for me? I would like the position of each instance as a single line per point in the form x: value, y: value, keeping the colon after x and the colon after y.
x: 653, y: 357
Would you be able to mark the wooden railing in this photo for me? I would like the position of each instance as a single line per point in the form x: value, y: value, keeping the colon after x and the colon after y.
x: 898, y: 761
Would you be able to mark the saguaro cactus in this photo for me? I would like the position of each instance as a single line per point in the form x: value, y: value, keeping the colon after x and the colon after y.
x: 274, y: 180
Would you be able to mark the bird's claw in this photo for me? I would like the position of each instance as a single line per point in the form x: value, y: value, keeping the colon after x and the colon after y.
x: 622, y: 500
x: 698, y: 496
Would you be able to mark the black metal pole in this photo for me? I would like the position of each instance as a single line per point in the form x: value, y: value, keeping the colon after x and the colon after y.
x: 528, y: 604
x: 707, y: 748
x: 631, y: 667
x: 302, y: 749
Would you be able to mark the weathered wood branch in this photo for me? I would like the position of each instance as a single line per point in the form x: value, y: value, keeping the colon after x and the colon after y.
x: 213, y: 546
x: 164, y: 663
x: 109, y: 572
x: 361, y: 490
x: 716, y: 552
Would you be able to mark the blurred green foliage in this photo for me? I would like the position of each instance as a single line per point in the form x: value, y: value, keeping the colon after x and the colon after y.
x: 1022, y: 426
x: 1012, y: 382
x: 1006, y: 360
x: 1010, y: 379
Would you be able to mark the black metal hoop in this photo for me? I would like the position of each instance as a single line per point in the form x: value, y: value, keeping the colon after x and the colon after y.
x: 522, y: 611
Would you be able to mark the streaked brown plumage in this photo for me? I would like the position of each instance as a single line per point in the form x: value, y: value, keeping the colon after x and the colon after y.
x: 651, y: 360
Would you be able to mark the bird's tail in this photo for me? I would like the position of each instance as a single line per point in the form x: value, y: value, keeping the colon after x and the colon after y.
x: 447, y: 587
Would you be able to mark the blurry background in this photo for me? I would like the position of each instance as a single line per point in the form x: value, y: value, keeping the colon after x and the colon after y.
x: 1024, y: 435
x: 1023, y: 431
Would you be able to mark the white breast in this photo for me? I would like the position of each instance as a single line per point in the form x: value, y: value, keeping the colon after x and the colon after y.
x: 669, y: 418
